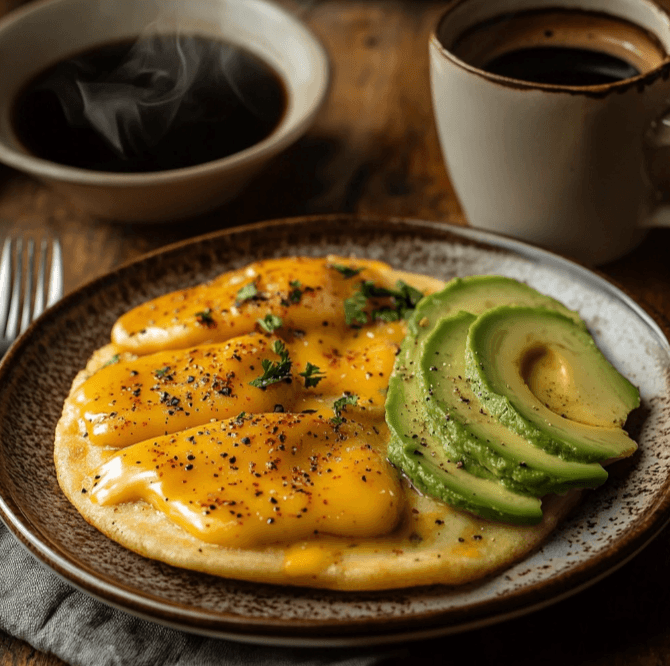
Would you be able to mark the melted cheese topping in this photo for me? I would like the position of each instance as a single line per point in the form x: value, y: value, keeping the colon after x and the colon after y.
x: 237, y: 464
x: 167, y: 392
x: 250, y: 481
x: 303, y: 292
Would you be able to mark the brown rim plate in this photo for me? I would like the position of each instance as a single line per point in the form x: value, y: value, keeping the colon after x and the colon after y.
x: 614, y: 523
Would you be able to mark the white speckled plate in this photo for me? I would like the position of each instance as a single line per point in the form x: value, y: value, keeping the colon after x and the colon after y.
x: 614, y: 523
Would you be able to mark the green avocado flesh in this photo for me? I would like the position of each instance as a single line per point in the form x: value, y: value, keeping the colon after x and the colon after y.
x: 462, y: 435
x: 435, y: 470
x: 464, y: 420
x: 544, y: 377
x: 476, y: 294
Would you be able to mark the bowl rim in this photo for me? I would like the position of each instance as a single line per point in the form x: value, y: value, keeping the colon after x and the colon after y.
x: 279, y: 139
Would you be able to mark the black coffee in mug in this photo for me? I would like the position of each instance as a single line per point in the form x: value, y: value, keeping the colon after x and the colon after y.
x: 561, y: 47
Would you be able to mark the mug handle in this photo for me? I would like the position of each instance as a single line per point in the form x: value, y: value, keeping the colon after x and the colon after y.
x: 657, y: 162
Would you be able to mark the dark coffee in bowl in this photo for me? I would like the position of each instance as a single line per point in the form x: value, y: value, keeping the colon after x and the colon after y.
x: 152, y: 104
x: 561, y: 47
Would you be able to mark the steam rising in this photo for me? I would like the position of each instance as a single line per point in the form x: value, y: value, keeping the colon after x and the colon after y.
x: 162, y: 84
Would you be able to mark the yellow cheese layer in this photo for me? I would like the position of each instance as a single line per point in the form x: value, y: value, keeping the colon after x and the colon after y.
x: 167, y: 392
x: 261, y: 479
x: 295, y: 464
x: 305, y: 293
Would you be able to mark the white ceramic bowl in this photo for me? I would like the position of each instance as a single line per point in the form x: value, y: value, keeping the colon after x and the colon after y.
x: 43, y: 33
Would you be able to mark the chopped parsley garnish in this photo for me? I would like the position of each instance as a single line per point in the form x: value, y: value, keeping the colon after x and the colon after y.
x: 347, y: 271
x: 270, y: 322
x: 115, y: 359
x: 296, y: 292
x: 161, y: 372
x: 312, y: 374
x: 340, y: 404
x: 409, y: 295
x: 274, y: 372
x: 294, y: 296
x: 354, y: 309
x: 404, y: 299
x: 246, y: 293
x: 205, y: 318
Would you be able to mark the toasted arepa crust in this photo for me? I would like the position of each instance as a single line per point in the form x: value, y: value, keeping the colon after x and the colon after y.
x: 434, y: 544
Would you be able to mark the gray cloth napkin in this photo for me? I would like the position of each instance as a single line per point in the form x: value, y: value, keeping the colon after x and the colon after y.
x: 40, y: 608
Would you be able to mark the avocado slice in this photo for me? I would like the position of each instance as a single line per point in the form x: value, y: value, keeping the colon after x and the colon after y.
x: 454, y: 429
x: 461, y: 418
x: 542, y: 376
x: 476, y: 294
x: 432, y: 465
x: 436, y: 471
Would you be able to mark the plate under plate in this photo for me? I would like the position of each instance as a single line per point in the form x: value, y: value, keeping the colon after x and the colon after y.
x: 613, y: 524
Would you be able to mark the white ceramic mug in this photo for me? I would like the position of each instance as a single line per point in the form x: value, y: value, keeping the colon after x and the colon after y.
x: 559, y: 166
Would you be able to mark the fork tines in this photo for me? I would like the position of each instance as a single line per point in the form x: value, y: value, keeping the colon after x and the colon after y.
x: 28, y: 269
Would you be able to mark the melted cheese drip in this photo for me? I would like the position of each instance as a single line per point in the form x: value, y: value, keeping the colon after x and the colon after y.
x: 285, y: 471
x: 251, y: 481
x: 305, y: 559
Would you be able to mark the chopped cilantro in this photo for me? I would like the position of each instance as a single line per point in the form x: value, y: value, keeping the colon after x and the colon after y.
x: 404, y: 299
x: 347, y: 271
x: 270, y: 322
x: 274, y: 372
x: 354, y: 309
x: 312, y: 374
x: 410, y: 296
x: 340, y: 404
x: 296, y: 292
x: 205, y: 318
x: 246, y: 293
x: 161, y: 372
x: 294, y: 296
x: 386, y: 314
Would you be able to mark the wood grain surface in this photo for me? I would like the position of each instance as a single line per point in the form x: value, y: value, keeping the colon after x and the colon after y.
x: 374, y: 150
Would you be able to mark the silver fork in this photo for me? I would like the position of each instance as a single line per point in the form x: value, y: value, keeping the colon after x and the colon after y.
x: 23, y: 284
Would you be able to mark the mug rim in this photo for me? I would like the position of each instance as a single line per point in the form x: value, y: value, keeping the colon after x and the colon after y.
x: 283, y: 135
x: 640, y: 81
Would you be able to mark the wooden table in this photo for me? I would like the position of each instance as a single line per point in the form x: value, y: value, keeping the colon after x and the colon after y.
x: 374, y: 150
